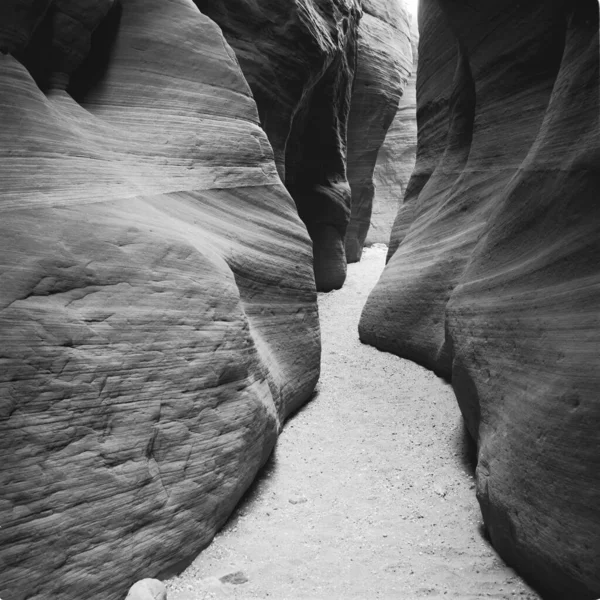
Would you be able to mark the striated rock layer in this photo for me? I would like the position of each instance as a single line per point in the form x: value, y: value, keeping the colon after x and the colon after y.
x: 384, y: 66
x: 157, y: 299
x: 299, y: 59
x: 396, y: 158
x: 493, y: 277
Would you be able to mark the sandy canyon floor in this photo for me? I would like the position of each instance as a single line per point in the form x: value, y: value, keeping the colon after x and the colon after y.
x: 370, y: 492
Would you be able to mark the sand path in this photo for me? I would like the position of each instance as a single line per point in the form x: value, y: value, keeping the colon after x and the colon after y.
x: 370, y: 492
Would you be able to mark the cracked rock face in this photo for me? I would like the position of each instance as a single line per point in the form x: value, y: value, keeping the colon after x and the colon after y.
x: 299, y: 59
x: 493, y: 274
x: 383, y: 69
x: 157, y: 300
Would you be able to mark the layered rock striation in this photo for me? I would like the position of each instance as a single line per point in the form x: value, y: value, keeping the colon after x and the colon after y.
x: 493, y: 278
x: 299, y: 59
x: 385, y: 62
x: 157, y: 299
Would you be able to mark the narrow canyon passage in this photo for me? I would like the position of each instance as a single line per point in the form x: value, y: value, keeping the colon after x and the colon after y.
x: 369, y: 494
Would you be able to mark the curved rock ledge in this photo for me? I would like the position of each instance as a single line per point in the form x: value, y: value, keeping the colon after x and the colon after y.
x: 493, y: 276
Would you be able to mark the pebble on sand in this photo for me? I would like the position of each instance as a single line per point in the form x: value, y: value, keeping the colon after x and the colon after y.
x: 147, y: 589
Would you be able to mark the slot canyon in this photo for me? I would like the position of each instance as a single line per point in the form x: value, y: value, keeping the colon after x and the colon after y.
x: 299, y: 299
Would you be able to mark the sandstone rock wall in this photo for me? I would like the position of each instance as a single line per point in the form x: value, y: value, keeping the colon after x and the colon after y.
x: 396, y: 157
x: 493, y: 276
x: 327, y: 90
x: 299, y: 59
x: 384, y: 66
x: 157, y: 300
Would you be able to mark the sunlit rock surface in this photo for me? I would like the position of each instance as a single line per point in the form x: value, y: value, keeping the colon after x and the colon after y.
x: 299, y: 59
x: 157, y: 299
x: 384, y: 66
x: 396, y: 157
x: 493, y: 277
x: 147, y: 589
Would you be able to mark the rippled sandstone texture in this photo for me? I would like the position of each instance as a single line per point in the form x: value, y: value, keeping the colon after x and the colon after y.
x: 396, y: 157
x: 383, y: 68
x: 157, y: 300
x: 299, y: 58
x: 493, y: 276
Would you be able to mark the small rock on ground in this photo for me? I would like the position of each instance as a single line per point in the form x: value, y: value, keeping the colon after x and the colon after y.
x: 147, y: 589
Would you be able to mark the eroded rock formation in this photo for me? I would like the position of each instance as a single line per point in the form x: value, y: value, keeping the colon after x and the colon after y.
x: 157, y: 300
x: 384, y: 66
x: 396, y: 158
x: 299, y: 59
x: 493, y: 276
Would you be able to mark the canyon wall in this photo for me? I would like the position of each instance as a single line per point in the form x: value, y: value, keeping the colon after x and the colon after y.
x: 299, y: 59
x: 493, y: 278
x: 384, y: 66
x: 396, y: 157
x: 157, y: 301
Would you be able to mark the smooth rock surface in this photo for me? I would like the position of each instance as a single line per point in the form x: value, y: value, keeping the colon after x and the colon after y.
x: 493, y: 276
x: 383, y: 68
x: 157, y: 301
x: 299, y: 59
